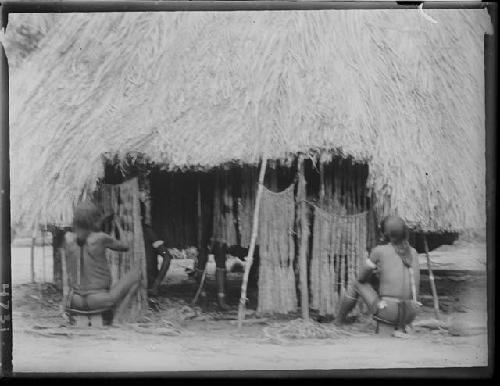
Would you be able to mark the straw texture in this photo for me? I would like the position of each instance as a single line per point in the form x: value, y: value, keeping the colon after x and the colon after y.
x: 277, y: 291
x: 196, y: 90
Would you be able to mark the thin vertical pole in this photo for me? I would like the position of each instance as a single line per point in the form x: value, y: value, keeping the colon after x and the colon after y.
x: 304, y: 236
x: 253, y: 240
x: 5, y: 260
x: 321, y: 182
x: 32, y: 257
x: 200, y: 224
x: 43, y: 255
x: 431, y: 279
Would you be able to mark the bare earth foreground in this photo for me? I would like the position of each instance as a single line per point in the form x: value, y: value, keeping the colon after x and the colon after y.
x: 211, y: 341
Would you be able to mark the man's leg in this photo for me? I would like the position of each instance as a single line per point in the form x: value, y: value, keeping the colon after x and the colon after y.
x: 124, y: 304
x: 368, y: 294
x: 151, y: 266
x: 220, y: 274
x: 201, y: 263
x: 358, y: 290
x: 198, y: 275
x: 118, y: 292
x: 165, y: 265
x: 253, y: 275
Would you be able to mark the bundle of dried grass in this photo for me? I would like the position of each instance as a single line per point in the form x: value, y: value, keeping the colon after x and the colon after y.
x: 339, y: 244
x: 304, y: 329
x: 277, y: 292
x: 161, y: 327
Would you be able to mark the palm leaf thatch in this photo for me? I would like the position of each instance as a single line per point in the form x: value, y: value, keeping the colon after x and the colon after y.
x: 197, y: 90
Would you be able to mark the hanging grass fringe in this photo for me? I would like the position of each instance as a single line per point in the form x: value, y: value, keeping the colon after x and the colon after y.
x: 339, y: 245
x: 277, y: 291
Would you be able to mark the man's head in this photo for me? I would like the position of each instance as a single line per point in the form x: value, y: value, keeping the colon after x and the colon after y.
x: 87, y: 218
x: 394, y: 229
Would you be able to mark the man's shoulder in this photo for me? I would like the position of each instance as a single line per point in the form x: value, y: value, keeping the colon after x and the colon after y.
x: 98, y: 237
x: 381, y: 248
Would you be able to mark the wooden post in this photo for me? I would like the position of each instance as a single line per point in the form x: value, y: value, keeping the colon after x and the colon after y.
x: 200, y: 224
x: 43, y: 255
x: 431, y: 279
x: 5, y: 260
x: 321, y: 182
x: 304, y: 236
x: 253, y: 240
x: 57, y: 270
x: 200, y: 229
x: 32, y: 257
x: 65, y: 280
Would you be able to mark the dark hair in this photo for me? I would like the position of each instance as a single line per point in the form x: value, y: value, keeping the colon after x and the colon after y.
x: 88, y: 215
x: 398, y: 235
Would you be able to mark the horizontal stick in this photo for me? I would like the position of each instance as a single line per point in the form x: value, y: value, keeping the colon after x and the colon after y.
x: 216, y: 5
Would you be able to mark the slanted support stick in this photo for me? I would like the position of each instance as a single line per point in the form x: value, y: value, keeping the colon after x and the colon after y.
x: 253, y: 240
x: 431, y: 279
x: 200, y: 287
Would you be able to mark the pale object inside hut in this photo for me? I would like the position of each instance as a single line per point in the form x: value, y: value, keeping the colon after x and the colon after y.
x: 225, y: 226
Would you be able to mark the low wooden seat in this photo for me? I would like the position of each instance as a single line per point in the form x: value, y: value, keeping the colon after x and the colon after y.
x: 91, y: 318
x: 384, y: 329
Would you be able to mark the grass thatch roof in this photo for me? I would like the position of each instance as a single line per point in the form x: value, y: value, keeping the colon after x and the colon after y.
x: 201, y: 89
x: 23, y: 38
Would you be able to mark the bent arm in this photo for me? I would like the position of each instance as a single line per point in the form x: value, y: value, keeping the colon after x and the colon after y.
x: 116, y: 245
x: 369, y: 267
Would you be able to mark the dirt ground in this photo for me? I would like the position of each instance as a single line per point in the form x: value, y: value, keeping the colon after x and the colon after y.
x: 182, y: 338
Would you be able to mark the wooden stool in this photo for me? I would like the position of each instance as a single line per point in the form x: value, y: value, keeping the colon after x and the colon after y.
x: 384, y: 329
x: 94, y: 318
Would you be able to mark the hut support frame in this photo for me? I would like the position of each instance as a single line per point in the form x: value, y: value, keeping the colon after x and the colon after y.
x: 304, y: 237
x: 253, y: 240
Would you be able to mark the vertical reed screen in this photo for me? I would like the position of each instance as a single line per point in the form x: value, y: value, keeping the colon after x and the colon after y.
x: 339, y: 246
x: 277, y: 292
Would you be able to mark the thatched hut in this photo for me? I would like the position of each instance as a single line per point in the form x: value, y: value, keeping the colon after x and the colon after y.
x: 387, y: 107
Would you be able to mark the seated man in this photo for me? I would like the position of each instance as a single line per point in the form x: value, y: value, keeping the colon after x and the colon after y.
x: 399, y: 275
x: 90, y: 283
